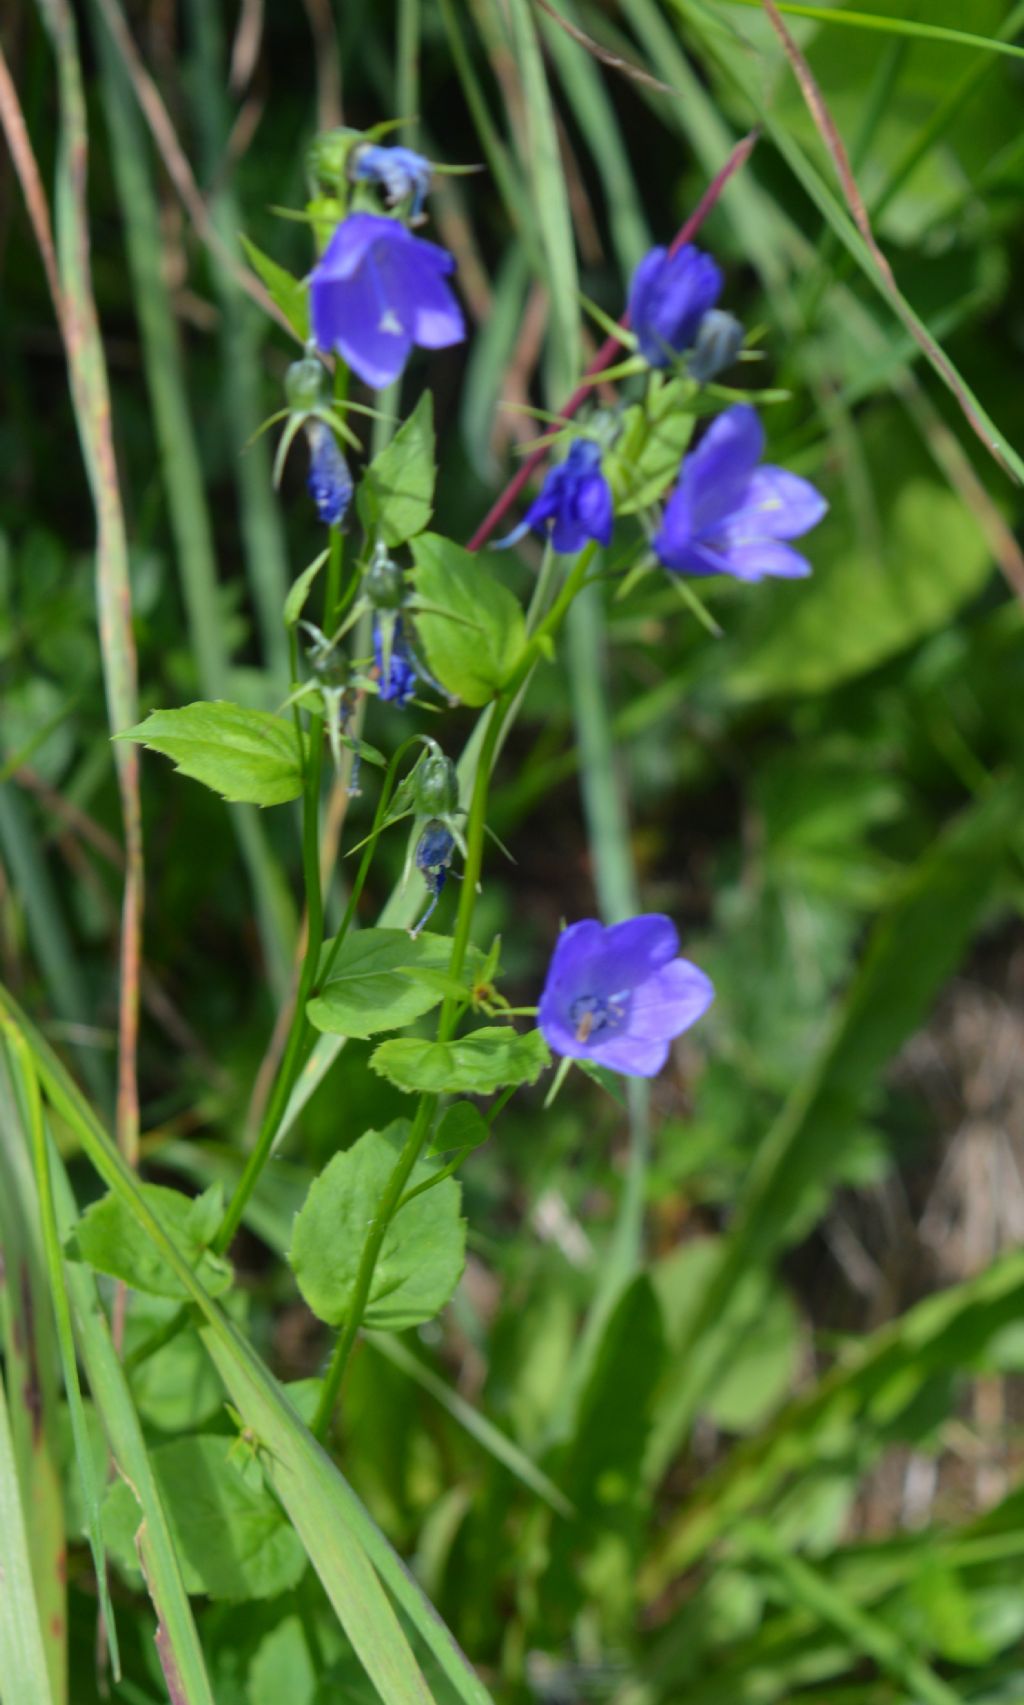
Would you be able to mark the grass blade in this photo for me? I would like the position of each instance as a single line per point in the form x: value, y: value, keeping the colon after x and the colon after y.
x: 90, y: 395
x: 30, y: 1361
x: 915, y: 947
x: 24, y: 1070
x: 543, y: 165
x: 26, y: 1679
x: 857, y: 239
x: 188, y: 508
x: 344, y: 1544
x: 889, y: 25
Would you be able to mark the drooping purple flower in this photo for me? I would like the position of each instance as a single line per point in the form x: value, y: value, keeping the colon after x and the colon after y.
x: 574, y: 504
x: 668, y: 298
x: 329, y: 482
x: 398, y: 680
x: 618, y: 996
x: 727, y: 515
x: 378, y: 290
x: 400, y: 172
x: 434, y: 852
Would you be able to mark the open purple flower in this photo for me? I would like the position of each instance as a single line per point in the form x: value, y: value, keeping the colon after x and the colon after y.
x: 729, y: 516
x: 617, y: 996
x: 668, y: 298
x: 378, y: 290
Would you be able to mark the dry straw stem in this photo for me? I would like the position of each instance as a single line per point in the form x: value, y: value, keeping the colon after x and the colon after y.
x: 69, y: 277
x: 178, y: 169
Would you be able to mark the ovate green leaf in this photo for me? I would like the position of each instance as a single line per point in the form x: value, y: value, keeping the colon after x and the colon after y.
x: 423, y: 1251
x: 488, y: 1059
x: 470, y: 626
x: 109, y: 1238
x: 247, y: 756
x: 396, y: 494
x: 368, y: 990
x: 462, y: 1126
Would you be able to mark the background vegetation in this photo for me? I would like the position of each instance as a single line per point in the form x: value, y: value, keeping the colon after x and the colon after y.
x: 728, y: 1405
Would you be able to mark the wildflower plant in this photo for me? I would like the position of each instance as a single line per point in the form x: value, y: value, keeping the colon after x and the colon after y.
x: 379, y: 1241
x: 407, y: 657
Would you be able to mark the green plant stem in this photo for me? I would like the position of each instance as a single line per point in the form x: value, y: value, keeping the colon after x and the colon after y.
x: 476, y: 828
x: 368, y: 1262
x: 383, y: 802
x: 291, y: 1063
x: 332, y: 588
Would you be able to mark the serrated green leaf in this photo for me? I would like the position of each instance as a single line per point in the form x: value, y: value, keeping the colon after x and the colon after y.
x: 396, y: 494
x: 247, y: 756
x: 290, y: 294
x: 109, y: 1239
x: 488, y: 1059
x: 370, y: 988
x: 462, y: 1126
x: 233, y: 1540
x: 423, y: 1250
x: 472, y: 630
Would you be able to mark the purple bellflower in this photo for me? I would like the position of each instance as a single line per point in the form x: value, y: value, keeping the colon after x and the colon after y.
x: 618, y: 996
x: 668, y: 298
x: 400, y: 172
x: 574, y: 504
x: 727, y: 515
x: 329, y: 482
x: 376, y: 291
x: 398, y: 680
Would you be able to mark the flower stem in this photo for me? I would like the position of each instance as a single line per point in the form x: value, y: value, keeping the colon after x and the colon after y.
x: 394, y: 1190
x: 294, y: 1052
x: 292, y: 1059
x: 368, y: 1262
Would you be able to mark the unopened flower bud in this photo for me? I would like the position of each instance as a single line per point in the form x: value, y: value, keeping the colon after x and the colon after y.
x: 305, y: 384
x: 434, y: 852
x: 384, y: 582
x: 437, y: 786
x: 396, y: 666
x: 330, y: 482
x: 719, y: 341
x: 400, y: 172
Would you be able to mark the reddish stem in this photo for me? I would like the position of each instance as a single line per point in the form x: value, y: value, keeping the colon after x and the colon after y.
x: 609, y: 349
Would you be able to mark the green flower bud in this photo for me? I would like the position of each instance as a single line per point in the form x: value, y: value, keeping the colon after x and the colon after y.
x: 384, y: 582
x: 305, y: 384
x: 436, y: 787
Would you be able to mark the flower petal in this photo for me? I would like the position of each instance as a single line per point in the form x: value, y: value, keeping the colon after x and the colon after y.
x: 631, y: 952
x: 415, y: 287
x: 674, y: 545
x: 759, y: 559
x: 716, y: 474
x: 595, y: 509
x: 633, y: 1055
x: 669, y: 1001
x: 778, y: 505
x: 347, y: 317
x: 344, y: 253
x: 570, y: 975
